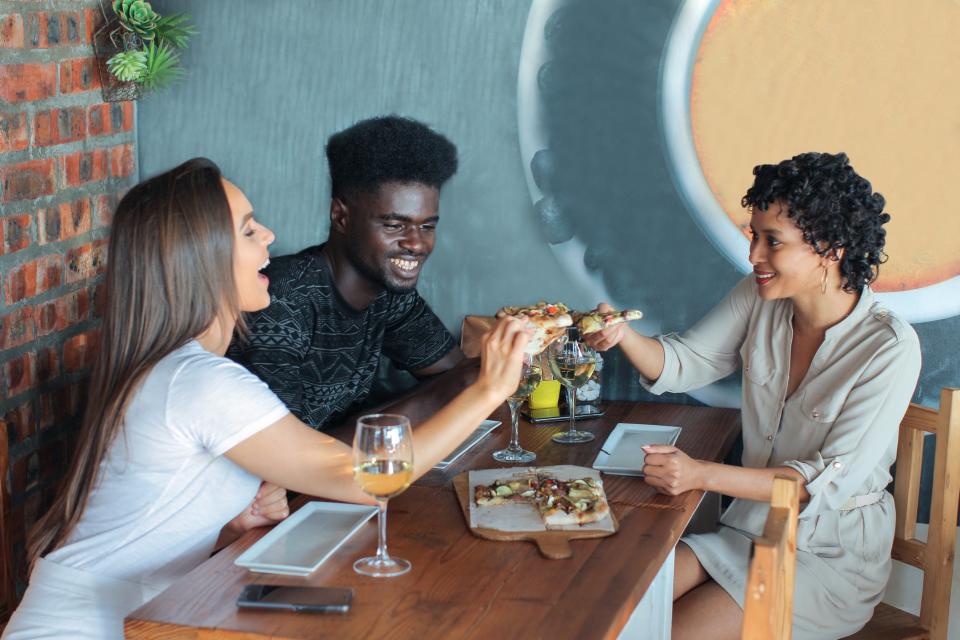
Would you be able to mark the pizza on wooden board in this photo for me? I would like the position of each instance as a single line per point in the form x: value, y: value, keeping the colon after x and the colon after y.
x: 559, y: 502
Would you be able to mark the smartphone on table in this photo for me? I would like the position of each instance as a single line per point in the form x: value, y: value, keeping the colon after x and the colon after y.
x: 308, y: 599
x: 561, y: 413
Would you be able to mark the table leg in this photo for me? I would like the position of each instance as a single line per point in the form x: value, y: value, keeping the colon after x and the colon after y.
x: 652, y: 618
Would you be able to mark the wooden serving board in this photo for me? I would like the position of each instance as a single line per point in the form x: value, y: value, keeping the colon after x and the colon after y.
x: 552, y: 544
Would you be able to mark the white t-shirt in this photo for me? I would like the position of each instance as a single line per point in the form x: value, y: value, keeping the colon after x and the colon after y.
x: 165, y: 489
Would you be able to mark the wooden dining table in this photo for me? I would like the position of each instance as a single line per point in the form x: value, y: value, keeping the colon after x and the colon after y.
x: 462, y: 586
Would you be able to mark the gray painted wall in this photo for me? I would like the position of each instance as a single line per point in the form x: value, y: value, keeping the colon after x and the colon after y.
x: 269, y: 81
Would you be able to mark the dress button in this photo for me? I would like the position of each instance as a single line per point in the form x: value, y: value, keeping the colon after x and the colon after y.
x: 770, y: 437
x: 837, y: 464
x: 816, y: 414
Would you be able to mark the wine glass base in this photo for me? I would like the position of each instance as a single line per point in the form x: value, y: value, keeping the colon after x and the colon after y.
x: 516, y: 455
x: 573, y: 437
x: 379, y: 568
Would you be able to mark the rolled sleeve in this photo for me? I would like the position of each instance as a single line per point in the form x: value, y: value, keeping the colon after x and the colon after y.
x: 863, y: 438
x: 710, y: 350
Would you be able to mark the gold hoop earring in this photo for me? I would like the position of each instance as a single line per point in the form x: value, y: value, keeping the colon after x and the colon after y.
x: 823, y: 281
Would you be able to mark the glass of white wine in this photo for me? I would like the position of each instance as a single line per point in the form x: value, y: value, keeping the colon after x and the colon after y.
x: 572, y: 363
x: 530, y: 377
x: 383, y: 467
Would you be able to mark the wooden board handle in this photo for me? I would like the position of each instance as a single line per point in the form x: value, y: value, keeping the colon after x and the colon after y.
x: 553, y: 547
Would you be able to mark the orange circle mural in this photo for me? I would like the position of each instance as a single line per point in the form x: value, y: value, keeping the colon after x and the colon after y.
x: 875, y: 79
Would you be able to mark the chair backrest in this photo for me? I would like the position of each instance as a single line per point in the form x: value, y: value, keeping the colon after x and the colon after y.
x: 471, y: 331
x: 768, y: 608
x: 935, y: 557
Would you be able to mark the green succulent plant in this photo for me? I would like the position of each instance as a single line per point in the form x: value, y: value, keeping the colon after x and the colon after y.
x: 162, y: 67
x: 128, y: 66
x: 175, y: 30
x: 137, y: 16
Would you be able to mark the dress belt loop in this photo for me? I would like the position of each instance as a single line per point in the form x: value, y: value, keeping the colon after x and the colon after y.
x: 864, y: 500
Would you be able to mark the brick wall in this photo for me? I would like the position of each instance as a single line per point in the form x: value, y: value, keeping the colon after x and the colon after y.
x: 65, y: 158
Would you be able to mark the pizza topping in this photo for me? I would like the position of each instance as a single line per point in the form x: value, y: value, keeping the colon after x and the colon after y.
x: 560, y: 502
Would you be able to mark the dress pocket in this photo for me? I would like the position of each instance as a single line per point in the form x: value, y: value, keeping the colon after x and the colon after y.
x: 756, y: 367
x: 820, y: 535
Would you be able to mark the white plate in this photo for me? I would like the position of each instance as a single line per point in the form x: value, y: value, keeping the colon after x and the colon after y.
x: 621, y: 453
x: 479, y: 434
x: 300, y: 544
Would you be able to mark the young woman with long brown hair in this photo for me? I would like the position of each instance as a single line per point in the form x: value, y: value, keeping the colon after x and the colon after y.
x: 176, y: 438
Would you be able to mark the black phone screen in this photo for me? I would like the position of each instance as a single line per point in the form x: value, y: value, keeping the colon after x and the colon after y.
x: 319, y: 599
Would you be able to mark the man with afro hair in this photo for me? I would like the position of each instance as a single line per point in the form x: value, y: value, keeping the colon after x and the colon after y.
x: 336, y: 307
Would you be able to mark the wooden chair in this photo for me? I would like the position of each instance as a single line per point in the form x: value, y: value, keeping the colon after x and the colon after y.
x: 471, y: 331
x: 935, y: 556
x: 768, y: 607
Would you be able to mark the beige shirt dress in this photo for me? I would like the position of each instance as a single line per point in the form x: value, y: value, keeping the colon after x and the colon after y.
x: 838, y: 429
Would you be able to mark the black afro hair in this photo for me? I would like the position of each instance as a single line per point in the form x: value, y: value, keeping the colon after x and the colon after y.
x: 388, y: 149
x: 833, y: 206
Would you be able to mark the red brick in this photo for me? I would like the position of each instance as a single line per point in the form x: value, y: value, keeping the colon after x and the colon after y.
x: 34, y: 277
x: 56, y: 29
x: 49, y: 272
x: 27, y: 180
x: 13, y: 132
x: 63, y: 312
x: 48, y: 365
x: 85, y: 166
x: 79, y: 351
x: 66, y: 221
x: 22, y: 282
x: 105, y: 206
x: 109, y: 118
x: 121, y: 161
x: 86, y: 261
x: 93, y: 20
x: 27, y: 82
x: 17, y: 327
x: 15, y: 233
x: 47, y: 411
x: 11, y: 31
x: 79, y: 74
x: 20, y: 374
x: 20, y: 425
x: 59, y: 125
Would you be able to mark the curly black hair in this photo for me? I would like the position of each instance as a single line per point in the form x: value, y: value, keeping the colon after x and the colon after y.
x: 388, y: 149
x: 833, y: 206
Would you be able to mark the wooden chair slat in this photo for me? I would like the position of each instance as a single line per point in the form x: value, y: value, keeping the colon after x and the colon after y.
x: 935, y: 556
x: 768, y: 608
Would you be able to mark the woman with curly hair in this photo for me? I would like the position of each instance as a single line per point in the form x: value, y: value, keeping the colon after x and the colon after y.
x: 827, y: 376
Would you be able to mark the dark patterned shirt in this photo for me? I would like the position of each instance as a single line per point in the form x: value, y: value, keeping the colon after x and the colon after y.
x: 317, y: 353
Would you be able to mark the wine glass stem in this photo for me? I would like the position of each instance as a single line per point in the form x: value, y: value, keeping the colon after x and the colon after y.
x: 382, y: 521
x: 514, y: 424
x: 572, y: 404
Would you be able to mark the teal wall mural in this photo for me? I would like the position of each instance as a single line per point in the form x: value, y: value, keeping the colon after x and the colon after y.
x: 567, y: 188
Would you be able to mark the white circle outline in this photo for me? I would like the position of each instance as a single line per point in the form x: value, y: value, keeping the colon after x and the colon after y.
x: 924, y: 304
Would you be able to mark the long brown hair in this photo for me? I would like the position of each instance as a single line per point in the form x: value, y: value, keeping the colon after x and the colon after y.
x: 169, y: 278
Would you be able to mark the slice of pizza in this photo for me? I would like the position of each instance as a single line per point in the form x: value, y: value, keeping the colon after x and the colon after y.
x: 515, y: 489
x: 571, y: 502
x: 595, y: 320
x: 548, y: 321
